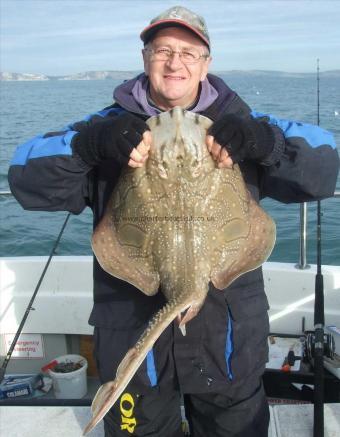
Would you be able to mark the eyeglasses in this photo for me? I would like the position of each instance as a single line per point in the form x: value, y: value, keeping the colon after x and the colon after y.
x: 187, y: 56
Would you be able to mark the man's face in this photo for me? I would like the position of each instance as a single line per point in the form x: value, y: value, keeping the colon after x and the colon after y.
x: 172, y: 82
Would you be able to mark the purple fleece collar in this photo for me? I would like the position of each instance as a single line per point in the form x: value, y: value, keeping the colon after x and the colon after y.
x: 140, y: 89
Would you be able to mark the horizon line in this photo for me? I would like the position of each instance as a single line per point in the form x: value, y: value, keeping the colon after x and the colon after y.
x: 141, y: 71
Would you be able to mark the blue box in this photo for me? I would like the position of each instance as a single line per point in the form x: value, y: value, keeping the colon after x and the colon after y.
x: 20, y: 385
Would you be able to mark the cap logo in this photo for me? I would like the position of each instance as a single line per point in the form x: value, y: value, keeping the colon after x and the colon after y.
x: 174, y: 15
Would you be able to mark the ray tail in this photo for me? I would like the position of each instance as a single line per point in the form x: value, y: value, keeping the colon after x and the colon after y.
x: 109, y: 392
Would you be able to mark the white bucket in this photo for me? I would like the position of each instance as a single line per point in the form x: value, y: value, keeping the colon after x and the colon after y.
x: 70, y: 385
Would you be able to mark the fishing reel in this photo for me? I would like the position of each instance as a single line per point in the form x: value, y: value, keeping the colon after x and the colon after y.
x: 328, y: 345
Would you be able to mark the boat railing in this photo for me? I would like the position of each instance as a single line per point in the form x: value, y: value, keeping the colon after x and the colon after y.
x: 302, y: 263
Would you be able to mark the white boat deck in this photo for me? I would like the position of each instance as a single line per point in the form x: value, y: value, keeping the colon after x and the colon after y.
x: 286, y: 421
x: 297, y: 420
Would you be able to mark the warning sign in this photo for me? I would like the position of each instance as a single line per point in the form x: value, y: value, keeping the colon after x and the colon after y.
x: 28, y: 346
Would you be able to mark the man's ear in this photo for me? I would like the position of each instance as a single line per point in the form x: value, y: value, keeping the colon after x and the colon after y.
x: 205, y: 68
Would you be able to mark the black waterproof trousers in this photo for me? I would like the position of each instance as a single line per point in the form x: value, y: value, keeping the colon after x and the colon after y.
x: 241, y: 412
x: 209, y: 415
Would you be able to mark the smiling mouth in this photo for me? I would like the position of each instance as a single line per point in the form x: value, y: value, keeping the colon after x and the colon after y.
x: 174, y: 77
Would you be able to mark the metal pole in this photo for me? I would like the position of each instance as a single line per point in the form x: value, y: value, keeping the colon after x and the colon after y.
x: 303, y: 238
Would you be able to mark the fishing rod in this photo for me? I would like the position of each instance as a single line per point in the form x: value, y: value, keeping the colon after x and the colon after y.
x: 319, y: 316
x: 29, y: 306
x: 319, y: 344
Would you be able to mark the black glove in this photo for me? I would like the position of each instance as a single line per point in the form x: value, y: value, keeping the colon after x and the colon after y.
x: 113, y: 138
x: 243, y: 138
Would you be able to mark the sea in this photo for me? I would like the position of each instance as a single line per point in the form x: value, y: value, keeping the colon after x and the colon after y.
x: 31, y: 108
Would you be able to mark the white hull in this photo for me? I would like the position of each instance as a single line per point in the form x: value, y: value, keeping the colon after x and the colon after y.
x: 64, y: 301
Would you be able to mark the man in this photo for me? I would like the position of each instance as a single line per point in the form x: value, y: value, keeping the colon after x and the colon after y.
x: 218, y: 365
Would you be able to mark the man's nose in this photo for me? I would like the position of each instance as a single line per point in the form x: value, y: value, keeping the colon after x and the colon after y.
x: 174, y: 60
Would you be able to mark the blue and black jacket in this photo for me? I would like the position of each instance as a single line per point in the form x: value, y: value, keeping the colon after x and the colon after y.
x: 227, y: 341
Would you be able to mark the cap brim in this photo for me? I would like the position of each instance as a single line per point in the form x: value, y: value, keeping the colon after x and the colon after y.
x: 150, y: 30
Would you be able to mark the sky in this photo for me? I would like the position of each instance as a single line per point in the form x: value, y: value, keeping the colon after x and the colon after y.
x: 69, y: 36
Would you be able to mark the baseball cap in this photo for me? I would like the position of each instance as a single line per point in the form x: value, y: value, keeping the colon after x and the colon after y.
x: 180, y: 17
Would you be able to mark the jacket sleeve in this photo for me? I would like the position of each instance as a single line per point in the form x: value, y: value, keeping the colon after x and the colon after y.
x: 305, y: 162
x: 45, y: 175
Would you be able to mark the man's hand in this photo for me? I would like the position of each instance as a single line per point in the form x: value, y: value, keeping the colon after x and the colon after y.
x: 125, y: 138
x: 232, y: 139
x: 140, y: 154
x: 219, y: 154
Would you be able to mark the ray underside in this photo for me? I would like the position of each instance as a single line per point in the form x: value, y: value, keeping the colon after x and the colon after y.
x: 176, y: 224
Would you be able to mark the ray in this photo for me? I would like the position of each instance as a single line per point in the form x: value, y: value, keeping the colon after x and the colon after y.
x: 174, y: 225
